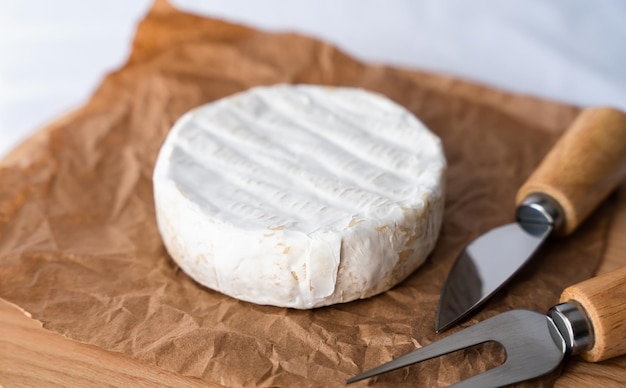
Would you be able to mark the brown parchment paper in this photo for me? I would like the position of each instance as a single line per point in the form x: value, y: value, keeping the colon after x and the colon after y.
x: 80, y: 251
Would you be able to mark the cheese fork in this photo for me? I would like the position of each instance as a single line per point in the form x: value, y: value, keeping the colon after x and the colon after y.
x: 589, y: 321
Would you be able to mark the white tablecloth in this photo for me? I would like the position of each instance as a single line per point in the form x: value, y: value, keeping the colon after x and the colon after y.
x: 54, y: 53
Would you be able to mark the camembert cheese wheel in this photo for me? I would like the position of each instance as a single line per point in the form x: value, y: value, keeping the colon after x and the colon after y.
x: 299, y: 196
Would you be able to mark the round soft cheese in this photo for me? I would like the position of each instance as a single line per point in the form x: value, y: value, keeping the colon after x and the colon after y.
x: 299, y: 196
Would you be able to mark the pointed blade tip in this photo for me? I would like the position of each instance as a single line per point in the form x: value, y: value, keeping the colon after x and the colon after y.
x: 438, y: 327
x: 441, y: 328
x: 356, y: 378
x: 467, y: 287
x: 441, y: 325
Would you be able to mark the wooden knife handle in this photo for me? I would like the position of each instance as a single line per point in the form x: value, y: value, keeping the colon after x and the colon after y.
x: 585, y: 165
x: 604, y: 300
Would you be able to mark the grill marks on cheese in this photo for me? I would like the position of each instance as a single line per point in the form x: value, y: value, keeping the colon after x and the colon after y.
x: 273, y: 160
x: 299, y: 196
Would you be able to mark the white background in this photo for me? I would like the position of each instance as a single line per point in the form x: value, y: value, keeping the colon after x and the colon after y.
x: 54, y: 53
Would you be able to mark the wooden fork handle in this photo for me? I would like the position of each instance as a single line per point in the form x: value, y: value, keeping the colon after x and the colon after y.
x: 604, y: 300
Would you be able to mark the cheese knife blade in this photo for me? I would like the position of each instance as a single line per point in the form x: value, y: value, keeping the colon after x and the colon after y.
x: 584, y: 166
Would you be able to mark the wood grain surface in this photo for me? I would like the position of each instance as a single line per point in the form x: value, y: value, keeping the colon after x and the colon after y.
x: 31, y: 356
x: 609, y: 373
x: 603, y: 297
x: 586, y: 164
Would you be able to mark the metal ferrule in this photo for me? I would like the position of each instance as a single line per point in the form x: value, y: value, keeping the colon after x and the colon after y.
x: 574, y: 326
x: 539, y: 208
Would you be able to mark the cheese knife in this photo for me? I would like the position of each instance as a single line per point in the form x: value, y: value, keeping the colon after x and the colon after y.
x: 589, y: 320
x: 584, y: 166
